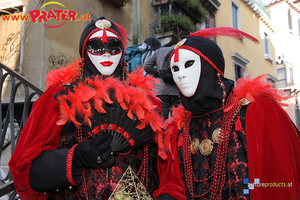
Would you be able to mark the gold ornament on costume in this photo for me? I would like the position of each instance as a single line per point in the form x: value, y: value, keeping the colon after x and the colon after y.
x: 194, y: 145
x: 206, y: 147
x: 216, y: 135
x: 130, y: 188
x: 244, y: 101
x: 180, y: 43
x: 103, y: 24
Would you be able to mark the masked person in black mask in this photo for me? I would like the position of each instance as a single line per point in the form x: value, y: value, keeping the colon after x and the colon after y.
x: 223, y: 137
x: 69, y: 148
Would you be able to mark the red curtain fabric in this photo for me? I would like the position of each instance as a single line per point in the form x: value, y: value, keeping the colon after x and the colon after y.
x: 170, y: 177
x: 40, y: 133
x: 273, y: 151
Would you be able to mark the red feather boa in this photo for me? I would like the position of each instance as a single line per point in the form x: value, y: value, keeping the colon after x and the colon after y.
x: 134, y: 95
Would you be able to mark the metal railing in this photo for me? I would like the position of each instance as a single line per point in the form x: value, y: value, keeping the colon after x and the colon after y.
x: 11, y: 84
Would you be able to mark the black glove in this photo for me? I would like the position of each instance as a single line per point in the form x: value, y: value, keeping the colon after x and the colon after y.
x: 86, y: 153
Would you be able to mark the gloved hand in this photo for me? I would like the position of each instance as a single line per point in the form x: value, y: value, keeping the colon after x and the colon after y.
x: 86, y: 153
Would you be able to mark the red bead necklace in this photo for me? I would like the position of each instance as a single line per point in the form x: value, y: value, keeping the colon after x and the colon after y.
x: 221, y: 156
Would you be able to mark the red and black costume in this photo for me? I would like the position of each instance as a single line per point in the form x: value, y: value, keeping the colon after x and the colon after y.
x: 257, y: 140
x: 42, y: 164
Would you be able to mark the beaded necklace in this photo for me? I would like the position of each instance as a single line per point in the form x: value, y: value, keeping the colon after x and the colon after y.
x: 221, y: 156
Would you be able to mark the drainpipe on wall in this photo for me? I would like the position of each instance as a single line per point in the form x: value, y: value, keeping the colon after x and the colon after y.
x: 297, y: 110
x: 138, y: 7
x: 25, y: 26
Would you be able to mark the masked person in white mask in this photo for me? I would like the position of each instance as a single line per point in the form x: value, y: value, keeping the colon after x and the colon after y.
x: 223, y: 137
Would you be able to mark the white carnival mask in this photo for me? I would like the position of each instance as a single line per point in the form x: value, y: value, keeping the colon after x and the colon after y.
x: 186, y: 72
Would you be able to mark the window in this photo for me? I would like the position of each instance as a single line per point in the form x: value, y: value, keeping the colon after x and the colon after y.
x: 291, y: 79
x: 281, y: 75
x: 267, y: 44
x: 298, y: 27
x: 239, y: 72
x: 297, y: 109
x: 239, y: 63
x: 290, y: 19
x: 267, y: 48
x: 235, y: 15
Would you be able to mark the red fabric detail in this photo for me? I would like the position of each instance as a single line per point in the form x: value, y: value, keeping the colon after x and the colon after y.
x: 131, y: 142
x: 34, y: 139
x: 96, y: 130
x: 112, y: 127
x: 120, y: 130
x: 238, y: 125
x: 104, y: 126
x: 170, y: 177
x: 126, y: 135
x: 69, y: 165
x: 104, y: 37
x: 273, y: 150
x: 176, y: 56
x: 180, y: 143
x: 223, y: 31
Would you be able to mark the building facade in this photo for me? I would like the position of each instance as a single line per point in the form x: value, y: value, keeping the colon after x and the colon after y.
x: 33, y: 47
x: 285, y: 15
x: 243, y: 57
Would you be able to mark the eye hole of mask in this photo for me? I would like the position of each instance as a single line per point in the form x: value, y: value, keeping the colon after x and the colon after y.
x: 95, y: 46
x: 189, y: 63
x: 175, y: 68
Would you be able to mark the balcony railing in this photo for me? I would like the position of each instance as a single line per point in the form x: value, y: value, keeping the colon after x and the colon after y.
x: 11, y: 88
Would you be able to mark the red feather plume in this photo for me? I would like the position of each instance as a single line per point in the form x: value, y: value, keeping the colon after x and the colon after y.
x: 223, y: 31
x: 123, y: 33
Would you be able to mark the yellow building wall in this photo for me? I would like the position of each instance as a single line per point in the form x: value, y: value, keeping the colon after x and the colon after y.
x: 251, y: 24
x: 45, y: 49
